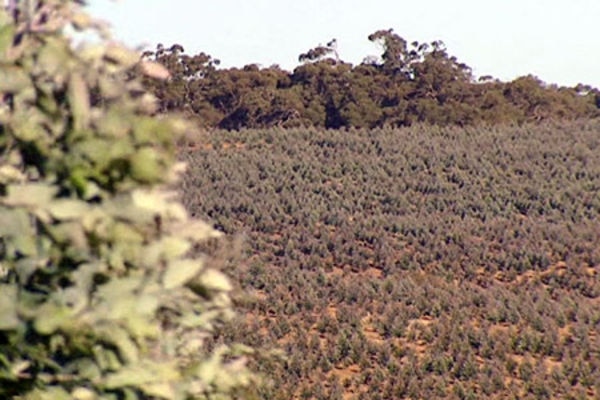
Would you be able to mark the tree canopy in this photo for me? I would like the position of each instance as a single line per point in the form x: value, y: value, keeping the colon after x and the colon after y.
x: 410, y: 82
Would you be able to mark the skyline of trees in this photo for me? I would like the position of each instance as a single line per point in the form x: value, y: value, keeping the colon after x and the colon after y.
x: 411, y: 82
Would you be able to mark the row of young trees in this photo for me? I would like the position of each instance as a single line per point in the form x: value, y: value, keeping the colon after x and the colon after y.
x: 421, y: 262
x: 409, y: 83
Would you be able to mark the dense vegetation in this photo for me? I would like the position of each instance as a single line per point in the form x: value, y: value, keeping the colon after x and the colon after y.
x: 407, y: 84
x: 101, y: 296
x: 421, y: 262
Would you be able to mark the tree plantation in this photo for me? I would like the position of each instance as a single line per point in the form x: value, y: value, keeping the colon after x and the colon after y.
x: 397, y: 229
x: 422, y: 262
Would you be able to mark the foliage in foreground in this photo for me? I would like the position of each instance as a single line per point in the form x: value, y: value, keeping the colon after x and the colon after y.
x: 99, y: 296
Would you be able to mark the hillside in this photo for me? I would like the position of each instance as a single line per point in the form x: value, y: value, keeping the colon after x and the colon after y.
x: 420, y: 262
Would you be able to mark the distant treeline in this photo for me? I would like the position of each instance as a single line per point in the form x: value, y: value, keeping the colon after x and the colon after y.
x: 409, y: 83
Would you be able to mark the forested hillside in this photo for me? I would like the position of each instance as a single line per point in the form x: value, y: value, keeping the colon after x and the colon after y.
x: 396, y: 229
x: 408, y: 83
x: 409, y: 230
x: 439, y: 262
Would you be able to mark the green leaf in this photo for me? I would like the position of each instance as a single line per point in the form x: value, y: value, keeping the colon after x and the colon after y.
x: 179, y: 272
x: 146, y: 166
x: 106, y: 359
x: 146, y: 304
x: 159, y: 202
x: 110, y: 89
x: 67, y: 209
x: 142, y: 374
x: 116, y: 288
x: 116, y: 260
x: 18, y: 367
x: 126, y: 233
x: 203, y: 320
x: 153, y: 201
x: 49, y: 393
x: 25, y: 267
x: 24, y: 245
x: 118, y: 337
x: 71, y: 233
x: 8, y: 307
x: 50, y: 317
x: 140, y: 327
x: 54, y: 58
x: 48, y: 103
x: 13, y: 79
x: 97, y: 150
x: 114, y: 124
x: 141, y: 207
x: 209, y: 369
x: 85, y: 367
x: 149, y: 130
x: 30, y: 126
x: 195, y: 230
x: 82, y: 393
x: 212, y: 279
x: 167, y: 248
x: 30, y: 194
x: 7, y: 33
x: 154, y: 70
x: 84, y: 275
x: 14, y: 222
x: 81, y: 21
x: 121, y: 56
x: 79, y: 100
x: 120, y: 298
x: 145, y: 130
x: 9, y: 174
x: 78, y: 178
x: 160, y: 390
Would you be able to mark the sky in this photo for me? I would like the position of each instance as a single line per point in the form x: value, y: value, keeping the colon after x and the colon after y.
x: 556, y: 40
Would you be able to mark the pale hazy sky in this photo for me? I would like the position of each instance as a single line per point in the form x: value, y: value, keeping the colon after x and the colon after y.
x: 557, y: 40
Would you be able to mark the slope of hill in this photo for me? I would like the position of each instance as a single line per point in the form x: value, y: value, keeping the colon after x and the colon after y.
x: 413, y: 263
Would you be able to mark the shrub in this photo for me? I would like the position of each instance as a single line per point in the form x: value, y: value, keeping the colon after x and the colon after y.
x: 99, y: 295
